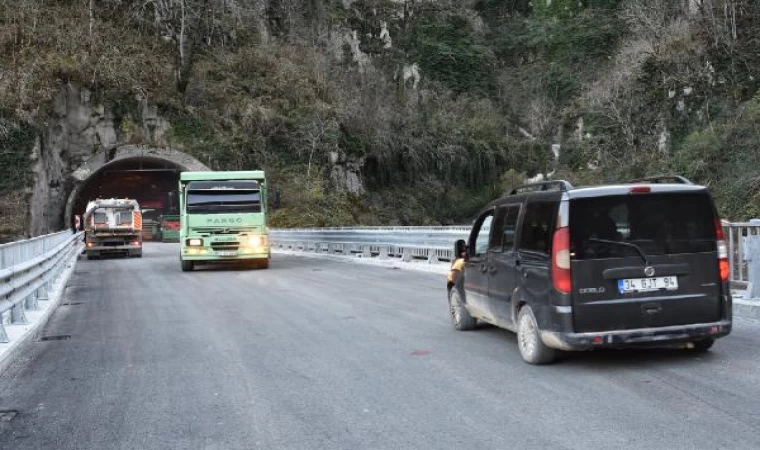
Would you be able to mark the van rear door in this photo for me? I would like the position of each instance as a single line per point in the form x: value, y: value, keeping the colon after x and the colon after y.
x: 644, y: 260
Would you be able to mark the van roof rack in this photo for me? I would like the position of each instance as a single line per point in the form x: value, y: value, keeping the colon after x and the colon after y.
x: 677, y: 179
x: 552, y: 185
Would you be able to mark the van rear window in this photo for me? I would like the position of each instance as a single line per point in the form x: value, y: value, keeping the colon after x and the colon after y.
x: 660, y: 224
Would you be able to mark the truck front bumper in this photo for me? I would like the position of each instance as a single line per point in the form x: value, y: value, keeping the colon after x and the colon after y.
x: 641, y: 337
x: 203, y: 254
x: 112, y: 248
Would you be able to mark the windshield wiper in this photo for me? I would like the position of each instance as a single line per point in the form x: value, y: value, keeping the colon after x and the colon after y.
x: 624, y: 244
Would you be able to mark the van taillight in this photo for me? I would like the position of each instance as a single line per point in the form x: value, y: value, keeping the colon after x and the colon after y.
x: 561, y: 261
x: 723, y: 264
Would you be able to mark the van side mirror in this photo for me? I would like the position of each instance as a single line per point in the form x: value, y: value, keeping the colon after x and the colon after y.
x: 460, y: 249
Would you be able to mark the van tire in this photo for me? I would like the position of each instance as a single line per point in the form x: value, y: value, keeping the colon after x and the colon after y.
x: 702, y: 345
x: 187, y: 266
x: 460, y: 317
x: 532, y: 348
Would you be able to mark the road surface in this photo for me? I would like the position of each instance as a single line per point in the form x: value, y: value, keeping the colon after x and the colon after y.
x: 317, y: 354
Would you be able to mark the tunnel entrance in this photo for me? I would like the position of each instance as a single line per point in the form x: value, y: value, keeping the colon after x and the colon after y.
x: 149, y: 180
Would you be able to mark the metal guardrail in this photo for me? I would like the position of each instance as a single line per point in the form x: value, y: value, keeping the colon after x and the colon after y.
x: 27, y: 271
x: 437, y: 243
x: 431, y: 243
x: 738, y: 236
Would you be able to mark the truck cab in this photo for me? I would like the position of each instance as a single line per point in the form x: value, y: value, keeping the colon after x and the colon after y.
x: 113, y: 226
x: 223, y: 218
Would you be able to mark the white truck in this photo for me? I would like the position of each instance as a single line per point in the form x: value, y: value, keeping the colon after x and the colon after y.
x: 113, y: 226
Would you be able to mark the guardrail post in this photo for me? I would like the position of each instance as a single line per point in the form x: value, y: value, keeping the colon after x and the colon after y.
x: 383, y: 254
x: 42, y: 292
x: 406, y: 255
x: 753, y: 257
x: 432, y: 256
x: 31, y: 302
x: 366, y: 253
x: 3, y: 335
x: 17, y: 314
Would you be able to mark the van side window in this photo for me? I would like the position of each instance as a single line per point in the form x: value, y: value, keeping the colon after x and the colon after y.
x: 537, y: 227
x: 483, y: 233
x: 510, y: 228
x: 505, y: 228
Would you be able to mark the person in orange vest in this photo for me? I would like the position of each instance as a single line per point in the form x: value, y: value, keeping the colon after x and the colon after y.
x: 457, y: 266
x: 454, y: 272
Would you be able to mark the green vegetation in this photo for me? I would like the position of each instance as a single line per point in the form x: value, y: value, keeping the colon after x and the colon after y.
x: 16, y: 143
x: 625, y: 87
x: 450, y: 51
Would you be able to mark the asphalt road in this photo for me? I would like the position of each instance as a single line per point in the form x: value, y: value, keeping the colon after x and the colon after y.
x: 326, y: 355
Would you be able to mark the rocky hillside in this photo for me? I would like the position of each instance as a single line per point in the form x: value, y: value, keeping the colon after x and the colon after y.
x: 396, y: 111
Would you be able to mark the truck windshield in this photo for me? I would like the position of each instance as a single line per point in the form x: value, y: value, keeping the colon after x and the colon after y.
x: 100, y: 217
x: 656, y: 224
x: 123, y: 216
x: 223, y: 197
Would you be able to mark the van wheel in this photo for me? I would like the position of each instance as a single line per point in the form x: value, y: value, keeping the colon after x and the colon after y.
x: 460, y: 317
x: 187, y: 266
x: 702, y: 345
x: 532, y: 348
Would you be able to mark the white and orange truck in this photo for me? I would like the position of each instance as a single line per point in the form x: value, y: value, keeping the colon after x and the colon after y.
x: 113, y: 226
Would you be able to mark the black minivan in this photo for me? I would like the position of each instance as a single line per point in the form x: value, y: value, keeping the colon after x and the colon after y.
x: 637, y: 264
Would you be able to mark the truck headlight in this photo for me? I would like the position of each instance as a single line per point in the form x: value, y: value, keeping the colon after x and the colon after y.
x: 195, y: 242
x: 256, y: 241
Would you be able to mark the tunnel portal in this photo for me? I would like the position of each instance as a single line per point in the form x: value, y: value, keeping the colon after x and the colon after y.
x: 150, y: 181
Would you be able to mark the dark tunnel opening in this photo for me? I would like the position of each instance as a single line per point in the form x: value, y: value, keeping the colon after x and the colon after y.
x: 151, y: 181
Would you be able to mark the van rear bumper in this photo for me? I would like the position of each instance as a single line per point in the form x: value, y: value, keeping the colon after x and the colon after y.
x: 641, y: 337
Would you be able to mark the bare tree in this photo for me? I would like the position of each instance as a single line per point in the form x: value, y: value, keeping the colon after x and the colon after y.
x: 319, y: 135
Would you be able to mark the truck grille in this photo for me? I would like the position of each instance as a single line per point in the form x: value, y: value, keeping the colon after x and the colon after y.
x: 224, y: 246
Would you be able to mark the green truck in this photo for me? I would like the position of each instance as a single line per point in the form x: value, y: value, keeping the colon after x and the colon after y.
x: 223, y: 218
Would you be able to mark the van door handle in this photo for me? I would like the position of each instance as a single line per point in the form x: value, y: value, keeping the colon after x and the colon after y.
x: 651, y: 309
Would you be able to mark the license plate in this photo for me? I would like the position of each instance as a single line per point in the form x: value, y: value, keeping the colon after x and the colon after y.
x: 648, y: 284
x: 226, y: 253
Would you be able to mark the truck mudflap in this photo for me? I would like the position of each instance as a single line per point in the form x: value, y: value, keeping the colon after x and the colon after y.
x: 642, y: 337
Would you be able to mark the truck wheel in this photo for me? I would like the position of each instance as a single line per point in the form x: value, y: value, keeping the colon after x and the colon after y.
x: 532, y: 348
x: 187, y: 266
x: 460, y: 317
x: 263, y: 264
x: 701, y: 346
x: 92, y: 257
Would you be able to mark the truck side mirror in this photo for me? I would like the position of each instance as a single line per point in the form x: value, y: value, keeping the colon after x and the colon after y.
x: 460, y: 249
